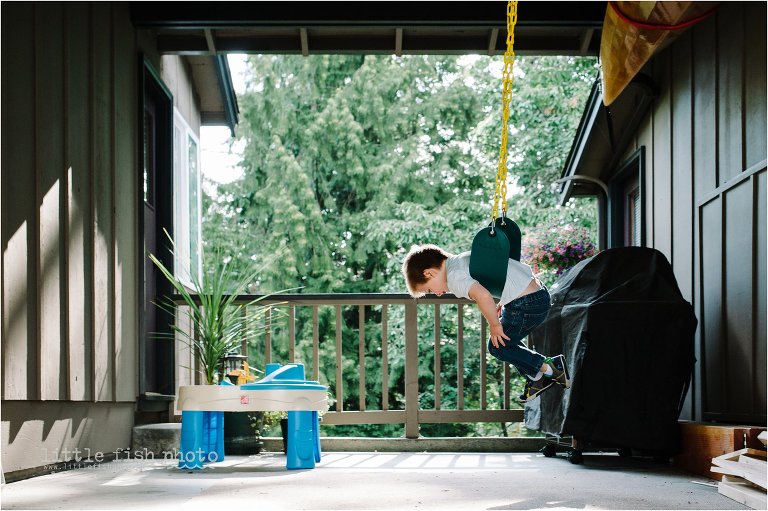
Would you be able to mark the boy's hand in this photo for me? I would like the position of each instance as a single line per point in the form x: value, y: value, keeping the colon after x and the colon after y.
x: 498, y: 335
x: 485, y: 302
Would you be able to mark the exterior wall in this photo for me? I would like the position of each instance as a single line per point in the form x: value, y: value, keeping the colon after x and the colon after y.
x: 178, y: 77
x: 706, y: 200
x: 48, y: 432
x: 70, y: 290
x: 69, y: 263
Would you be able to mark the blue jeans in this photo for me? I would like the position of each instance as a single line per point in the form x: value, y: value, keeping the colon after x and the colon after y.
x: 518, y: 318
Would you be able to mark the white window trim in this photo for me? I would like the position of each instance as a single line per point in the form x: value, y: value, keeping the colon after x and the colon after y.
x: 181, y: 206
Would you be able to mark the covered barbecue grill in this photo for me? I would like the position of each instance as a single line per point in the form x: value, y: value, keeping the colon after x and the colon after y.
x: 628, y: 336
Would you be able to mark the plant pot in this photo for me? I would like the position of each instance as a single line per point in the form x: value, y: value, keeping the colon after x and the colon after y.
x: 239, y: 437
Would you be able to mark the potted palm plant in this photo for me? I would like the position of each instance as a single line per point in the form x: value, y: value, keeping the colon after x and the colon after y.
x: 218, y: 324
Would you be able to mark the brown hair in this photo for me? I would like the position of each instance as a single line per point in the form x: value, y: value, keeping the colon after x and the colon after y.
x: 420, y: 258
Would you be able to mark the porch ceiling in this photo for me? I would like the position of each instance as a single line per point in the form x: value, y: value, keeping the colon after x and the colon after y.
x: 207, y: 28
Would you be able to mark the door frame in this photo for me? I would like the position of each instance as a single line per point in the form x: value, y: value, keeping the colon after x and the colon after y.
x: 156, y: 371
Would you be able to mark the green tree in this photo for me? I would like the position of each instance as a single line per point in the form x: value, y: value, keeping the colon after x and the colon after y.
x: 349, y: 160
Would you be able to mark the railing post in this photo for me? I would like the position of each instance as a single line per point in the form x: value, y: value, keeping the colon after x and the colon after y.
x: 411, y: 371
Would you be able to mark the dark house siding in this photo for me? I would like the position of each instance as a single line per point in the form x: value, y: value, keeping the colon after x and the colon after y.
x: 705, y: 179
x: 69, y: 284
x: 69, y: 127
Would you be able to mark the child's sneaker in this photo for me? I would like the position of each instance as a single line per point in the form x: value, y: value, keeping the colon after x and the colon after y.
x: 535, y: 387
x: 560, y: 370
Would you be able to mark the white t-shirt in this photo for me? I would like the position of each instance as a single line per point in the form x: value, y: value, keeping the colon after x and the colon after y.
x: 519, y: 275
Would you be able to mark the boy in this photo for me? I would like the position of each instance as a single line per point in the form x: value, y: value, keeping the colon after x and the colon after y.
x: 524, y: 305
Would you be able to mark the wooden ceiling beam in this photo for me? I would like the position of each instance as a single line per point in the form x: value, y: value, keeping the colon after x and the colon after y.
x: 182, y: 43
x: 304, y: 41
x: 209, y: 40
x: 492, y: 37
x: 586, y: 39
x: 220, y: 14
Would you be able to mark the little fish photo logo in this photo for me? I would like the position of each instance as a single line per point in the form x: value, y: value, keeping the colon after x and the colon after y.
x: 85, y: 457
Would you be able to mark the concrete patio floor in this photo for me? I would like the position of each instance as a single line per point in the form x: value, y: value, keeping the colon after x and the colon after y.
x: 444, y: 481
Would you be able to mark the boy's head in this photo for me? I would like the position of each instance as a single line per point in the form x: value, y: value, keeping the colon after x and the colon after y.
x: 417, y: 265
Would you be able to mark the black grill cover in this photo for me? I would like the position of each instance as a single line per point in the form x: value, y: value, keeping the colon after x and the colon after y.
x: 628, y: 337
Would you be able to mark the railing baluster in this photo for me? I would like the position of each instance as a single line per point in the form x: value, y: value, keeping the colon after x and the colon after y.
x: 339, y: 381
x: 186, y: 352
x: 244, y: 342
x: 483, y: 364
x: 411, y: 371
x: 198, y: 375
x: 438, y: 381
x: 384, y: 360
x: 361, y: 355
x: 268, y: 336
x: 460, y: 359
x: 506, y: 386
x: 412, y: 416
x: 315, y: 345
x: 292, y: 333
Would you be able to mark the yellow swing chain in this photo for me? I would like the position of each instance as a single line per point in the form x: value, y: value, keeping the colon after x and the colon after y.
x: 506, y: 95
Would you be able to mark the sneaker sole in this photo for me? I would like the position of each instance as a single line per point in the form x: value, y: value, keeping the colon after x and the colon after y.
x: 534, y: 396
x: 567, y: 384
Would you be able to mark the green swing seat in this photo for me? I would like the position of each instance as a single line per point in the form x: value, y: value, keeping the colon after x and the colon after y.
x: 494, y: 245
x: 491, y: 249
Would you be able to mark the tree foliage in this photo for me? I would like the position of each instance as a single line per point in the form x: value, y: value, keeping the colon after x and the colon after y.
x: 349, y: 160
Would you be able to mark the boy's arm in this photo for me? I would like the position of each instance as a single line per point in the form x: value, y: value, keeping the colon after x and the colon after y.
x: 487, y: 307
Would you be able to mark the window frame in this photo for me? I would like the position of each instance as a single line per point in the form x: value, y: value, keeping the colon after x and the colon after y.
x: 182, y: 206
x: 627, y: 181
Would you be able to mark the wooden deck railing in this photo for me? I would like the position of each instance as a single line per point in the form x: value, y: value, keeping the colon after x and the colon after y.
x: 412, y: 415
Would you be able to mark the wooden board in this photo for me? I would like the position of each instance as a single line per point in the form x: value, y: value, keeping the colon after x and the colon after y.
x: 749, y: 464
x: 700, y: 442
x: 740, y: 491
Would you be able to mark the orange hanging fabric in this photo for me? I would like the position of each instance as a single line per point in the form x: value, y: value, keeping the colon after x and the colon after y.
x: 634, y: 31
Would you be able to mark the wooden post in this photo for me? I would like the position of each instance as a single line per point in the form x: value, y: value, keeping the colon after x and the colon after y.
x: 438, y: 381
x: 411, y: 372
x: 361, y: 356
x: 384, y: 360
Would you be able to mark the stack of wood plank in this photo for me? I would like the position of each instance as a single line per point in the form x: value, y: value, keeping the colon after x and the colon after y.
x: 700, y: 442
x: 744, y: 475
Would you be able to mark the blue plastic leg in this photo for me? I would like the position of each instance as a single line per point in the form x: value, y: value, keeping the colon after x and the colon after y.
x: 191, y: 449
x: 209, y: 434
x: 316, y: 422
x: 301, y: 439
x: 214, y: 436
x: 220, y: 438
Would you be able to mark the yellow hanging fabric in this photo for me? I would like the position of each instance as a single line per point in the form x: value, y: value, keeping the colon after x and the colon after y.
x: 507, y: 79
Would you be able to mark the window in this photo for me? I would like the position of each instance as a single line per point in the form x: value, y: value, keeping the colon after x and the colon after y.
x: 626, y: 204
x: 633, y: 220
x: 187, y: 201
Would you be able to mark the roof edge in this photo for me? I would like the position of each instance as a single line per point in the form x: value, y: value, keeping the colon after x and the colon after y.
x: 637, y: 98
x: 586, y: 123
x: 228, y: 95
